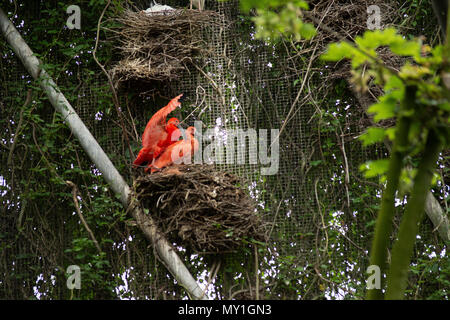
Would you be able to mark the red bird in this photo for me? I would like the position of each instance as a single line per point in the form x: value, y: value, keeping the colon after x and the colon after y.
x: 158, y: 134
x: 176, y: 152
x: 173, y: 134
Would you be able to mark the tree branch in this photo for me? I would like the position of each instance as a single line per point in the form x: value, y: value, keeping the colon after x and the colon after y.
x: 403, y: 247
x: 111, y: 84
x: 433, y: 209
x: 77, y: 208
x: 19, y: 126
x: 383, y: 228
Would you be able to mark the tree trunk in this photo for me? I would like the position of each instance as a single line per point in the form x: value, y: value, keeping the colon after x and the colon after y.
x: 433, y: 209
x: 402, y: 250
x: 101, y: 160
x: 383, y: 228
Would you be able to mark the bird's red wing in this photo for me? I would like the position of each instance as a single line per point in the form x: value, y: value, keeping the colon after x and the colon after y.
x: 157, y: 151
x: 152, y: 135
x: 161, y: 116
x: 145, y: 155
x: 168, y: 156
x: 156, y: 125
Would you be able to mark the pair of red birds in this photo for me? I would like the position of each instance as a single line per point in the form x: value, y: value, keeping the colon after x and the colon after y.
x: 161, y: 146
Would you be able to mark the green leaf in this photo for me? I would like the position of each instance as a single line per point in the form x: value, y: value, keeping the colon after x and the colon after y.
x: 338, y: 51
x: 373, y: 135
x: 390, y: 133
x: 316, y: 162
x: 368, y: 41
x: 406, y: 48
x: 384, y: 109
x: 374, y: 168
x: 444, y: 106
x: 360, y: 58
x: 393, y: 83
x: 307, y: 30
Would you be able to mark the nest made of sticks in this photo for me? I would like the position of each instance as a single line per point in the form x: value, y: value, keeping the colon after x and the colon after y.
x: 201, y: 209
x: 160, y: 46
x: 345, y: 20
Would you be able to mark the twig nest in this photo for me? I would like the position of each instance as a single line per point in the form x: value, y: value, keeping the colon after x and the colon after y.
x: 199, y: 208
x: 160, y: 45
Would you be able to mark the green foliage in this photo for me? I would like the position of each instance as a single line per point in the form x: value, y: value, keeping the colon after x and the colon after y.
x: 277, y: 18
x: 423, y: 71
x: 418, y: 97
x: 374, y: 168
x: 373, y: 135
x: 364, y: 49
x: 418, y: 16
x: 47, y: 155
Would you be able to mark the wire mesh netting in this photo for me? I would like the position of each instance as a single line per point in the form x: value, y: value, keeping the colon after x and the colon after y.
x: 318, y: 208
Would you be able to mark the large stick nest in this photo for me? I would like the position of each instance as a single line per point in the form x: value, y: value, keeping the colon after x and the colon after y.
x: 341, y: 20
x: 345, y: 20
x: 160, y: 46
x: 201, y: 209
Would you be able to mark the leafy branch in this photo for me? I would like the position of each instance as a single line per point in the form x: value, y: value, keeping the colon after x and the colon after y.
x: 276, y: 18
x: 418, y: 97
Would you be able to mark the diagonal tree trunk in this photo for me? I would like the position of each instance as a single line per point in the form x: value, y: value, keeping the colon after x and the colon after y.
x: 165, y: 251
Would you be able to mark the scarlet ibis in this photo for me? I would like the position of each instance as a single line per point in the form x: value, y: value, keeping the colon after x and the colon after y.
x: 173, y: 134
x: 158, y: 134
x: 176, y: 152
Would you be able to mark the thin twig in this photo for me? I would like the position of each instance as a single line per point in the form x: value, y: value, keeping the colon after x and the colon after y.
x: 114, y: 93
x: 19, y: 127
x: 288, y: 117
x: 321, y: 214
x: 83, y: 221
x: 256, y: 272
x: 212, y: 275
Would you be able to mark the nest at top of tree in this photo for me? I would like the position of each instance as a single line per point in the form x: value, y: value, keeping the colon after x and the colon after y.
x: 201, y: 209
x: 160, y: 46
